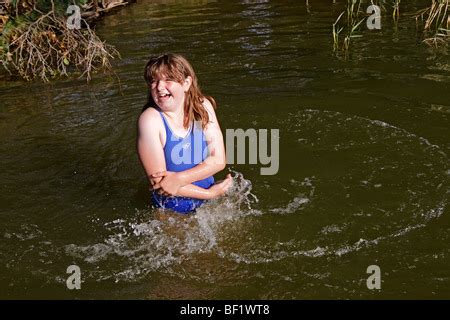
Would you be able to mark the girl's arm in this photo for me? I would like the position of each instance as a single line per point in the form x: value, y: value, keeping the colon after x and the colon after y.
x: 193, y: 191
x: 214, y: 163
x: 216, y: 159
x: 149, y: 144
x: 151, y: 155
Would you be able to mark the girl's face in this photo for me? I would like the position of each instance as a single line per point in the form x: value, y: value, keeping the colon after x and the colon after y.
x: 169, y: 94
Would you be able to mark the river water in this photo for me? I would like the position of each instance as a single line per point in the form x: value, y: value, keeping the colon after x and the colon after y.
x: 363, y: 167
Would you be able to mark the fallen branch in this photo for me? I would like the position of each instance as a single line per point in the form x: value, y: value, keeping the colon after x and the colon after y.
x: 46, y: 47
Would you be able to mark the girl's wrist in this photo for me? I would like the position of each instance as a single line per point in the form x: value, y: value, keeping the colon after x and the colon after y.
x: 211, y: 193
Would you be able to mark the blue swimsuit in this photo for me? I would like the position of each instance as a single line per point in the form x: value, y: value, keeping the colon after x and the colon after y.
x: 182, y: 154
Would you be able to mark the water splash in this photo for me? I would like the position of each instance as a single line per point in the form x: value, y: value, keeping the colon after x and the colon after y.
x: 156, y: 241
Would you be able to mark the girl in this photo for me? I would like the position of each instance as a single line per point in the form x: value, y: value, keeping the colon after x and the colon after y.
x: 180, y: 143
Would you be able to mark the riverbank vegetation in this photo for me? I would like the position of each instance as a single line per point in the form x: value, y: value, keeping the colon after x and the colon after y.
x: 36, y: 41
x: 435, y: 21
x: 432, y: 22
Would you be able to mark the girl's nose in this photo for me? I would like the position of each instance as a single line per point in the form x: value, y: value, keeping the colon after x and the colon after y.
x: 160, y: 84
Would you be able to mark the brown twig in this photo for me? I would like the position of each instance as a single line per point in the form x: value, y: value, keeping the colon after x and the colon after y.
x: 46, y: 48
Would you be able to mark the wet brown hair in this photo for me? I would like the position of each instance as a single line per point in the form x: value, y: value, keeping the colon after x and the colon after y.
x: 177, y: 68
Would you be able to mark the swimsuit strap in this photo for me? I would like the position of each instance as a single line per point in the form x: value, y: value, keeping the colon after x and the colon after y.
x: 167, y: 127
x: 169, y: 131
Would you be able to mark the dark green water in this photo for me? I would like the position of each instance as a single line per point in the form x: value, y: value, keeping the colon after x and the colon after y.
x: 363, y: 176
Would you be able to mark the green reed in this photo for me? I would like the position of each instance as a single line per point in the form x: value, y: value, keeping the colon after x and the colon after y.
x: 353, y: 14
x: 435, y: 21
x: 396, y: 10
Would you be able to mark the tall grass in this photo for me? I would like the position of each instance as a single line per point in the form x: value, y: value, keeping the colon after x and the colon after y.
x: 396, y: 10
x: 436, y: 19
x: 350, y: 26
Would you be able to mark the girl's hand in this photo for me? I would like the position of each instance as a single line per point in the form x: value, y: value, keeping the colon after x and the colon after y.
x: 221, y: 187
x: 153, y: 182
x: 169, y: 184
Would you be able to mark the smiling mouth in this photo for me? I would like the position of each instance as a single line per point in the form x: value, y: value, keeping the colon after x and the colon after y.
x: 165, y: 95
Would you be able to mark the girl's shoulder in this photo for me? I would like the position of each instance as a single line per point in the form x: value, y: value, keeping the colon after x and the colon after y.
x: 150, y: 117
x: 210, y: 109
x: 150, y: 113
x: 207, y: 104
